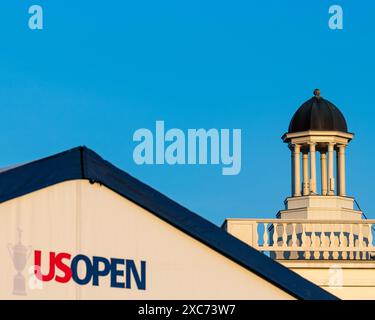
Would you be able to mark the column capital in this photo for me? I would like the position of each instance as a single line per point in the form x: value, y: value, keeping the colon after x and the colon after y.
x: 312, y: 146
x: 296, y: 147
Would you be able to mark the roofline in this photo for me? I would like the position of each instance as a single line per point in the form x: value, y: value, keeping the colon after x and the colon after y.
x: 82, y: 163
x: 289, y: 135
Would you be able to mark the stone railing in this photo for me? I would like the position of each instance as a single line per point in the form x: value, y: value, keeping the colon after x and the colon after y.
x: 285, y: 239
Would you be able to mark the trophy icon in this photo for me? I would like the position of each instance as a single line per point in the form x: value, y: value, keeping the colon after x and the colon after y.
x: 19, y: 254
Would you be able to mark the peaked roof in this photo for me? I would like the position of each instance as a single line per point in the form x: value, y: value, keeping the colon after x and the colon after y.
x: 83, y: 163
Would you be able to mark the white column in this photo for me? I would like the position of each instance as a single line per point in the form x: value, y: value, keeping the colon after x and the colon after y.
x: 341, y: 158
x: 337, y: 172
x: 296, y: 170
x: 323, y: 166
x: 291, y: 147
x: 312, y: 168
x: 331, y: 179
x: 305, y: 157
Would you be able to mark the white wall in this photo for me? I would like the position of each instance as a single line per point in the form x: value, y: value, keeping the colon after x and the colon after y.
x: 77, y: 217
x: 348, y: 280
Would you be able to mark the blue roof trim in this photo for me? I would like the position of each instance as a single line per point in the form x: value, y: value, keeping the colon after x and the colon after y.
x: 83, y: 163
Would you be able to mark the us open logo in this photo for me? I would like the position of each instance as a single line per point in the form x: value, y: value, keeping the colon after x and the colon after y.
x: 122, y: 272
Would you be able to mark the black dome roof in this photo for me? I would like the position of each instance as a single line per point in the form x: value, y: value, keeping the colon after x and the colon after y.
x: 318, y: 114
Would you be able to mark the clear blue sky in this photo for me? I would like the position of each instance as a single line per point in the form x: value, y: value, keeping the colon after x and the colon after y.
x: 102, y: 69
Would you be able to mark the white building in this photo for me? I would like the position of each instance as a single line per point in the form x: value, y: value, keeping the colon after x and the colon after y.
x: 319, y: 234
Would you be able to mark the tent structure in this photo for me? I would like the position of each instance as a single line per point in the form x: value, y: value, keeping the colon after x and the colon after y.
x: 74, y: 226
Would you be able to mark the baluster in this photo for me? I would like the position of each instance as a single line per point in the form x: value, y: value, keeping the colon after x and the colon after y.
x: 344, y: 254
x: 370, y: 234
x: 313, y: 235
x: 256, y: 235
x: 265, y: 235
x: 313, y: 239
x: 305, y: 241
x: 276, y: 241
x: 325, y: 241
x: 294, y: 235
x: 318, y: 244
x: 360, y: 241
x: 357, y: 244
x: 369, y: 240
x: 274, y: 238
x: 332, y: 238
x: 303, y: 236
x: 351, y: 242
x: 285, y: 235
x: 285, y: 239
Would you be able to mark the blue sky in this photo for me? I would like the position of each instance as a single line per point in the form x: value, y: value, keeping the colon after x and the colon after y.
x: 101, y: 70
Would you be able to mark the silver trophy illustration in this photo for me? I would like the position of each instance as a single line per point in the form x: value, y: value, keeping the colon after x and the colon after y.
x: 19, y: 254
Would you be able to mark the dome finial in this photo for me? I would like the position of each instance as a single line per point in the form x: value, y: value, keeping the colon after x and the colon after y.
x: 317, y: 93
